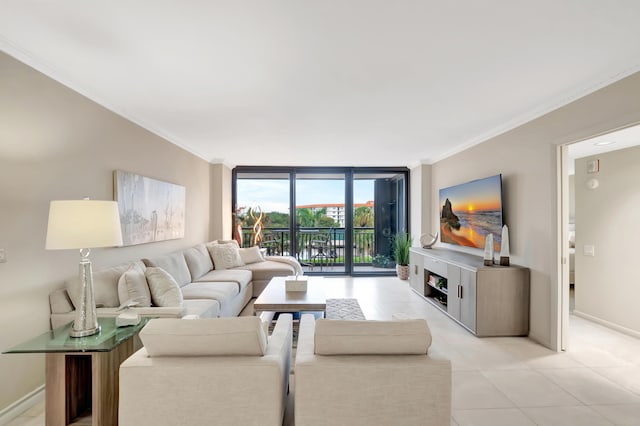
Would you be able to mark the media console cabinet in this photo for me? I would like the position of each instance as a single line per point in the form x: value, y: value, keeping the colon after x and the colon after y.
x: 486, y: 300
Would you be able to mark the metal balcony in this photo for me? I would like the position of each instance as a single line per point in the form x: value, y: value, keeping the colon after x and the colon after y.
x: 321, y: 249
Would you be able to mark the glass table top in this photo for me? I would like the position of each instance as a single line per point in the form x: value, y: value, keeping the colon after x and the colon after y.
x: 58, y: 340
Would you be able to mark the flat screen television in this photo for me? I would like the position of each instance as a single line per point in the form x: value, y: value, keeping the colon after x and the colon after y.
x: 471, y: 211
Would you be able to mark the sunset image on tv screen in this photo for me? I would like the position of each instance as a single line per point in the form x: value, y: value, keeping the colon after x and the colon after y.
x: 471, y: 211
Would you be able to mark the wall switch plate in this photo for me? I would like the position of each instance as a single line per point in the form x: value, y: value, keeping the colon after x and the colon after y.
x: 593, y: 166
x: 589, y: 250
x: 3, y: 256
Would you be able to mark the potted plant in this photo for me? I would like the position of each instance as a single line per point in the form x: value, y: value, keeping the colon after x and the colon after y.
x: 401, y: 245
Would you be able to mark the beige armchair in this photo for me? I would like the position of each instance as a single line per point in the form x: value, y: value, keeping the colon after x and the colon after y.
x: 222, y: 371
x: 369, y: 373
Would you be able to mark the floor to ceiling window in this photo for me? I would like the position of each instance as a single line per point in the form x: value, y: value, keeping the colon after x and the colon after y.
x: 343, y: 218
x: 261, y: 211
x: 320, y: 221
x: 377, y: 219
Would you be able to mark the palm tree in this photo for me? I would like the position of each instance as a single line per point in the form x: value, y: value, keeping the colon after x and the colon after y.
x: 306, y: 218
x: 363, y: 217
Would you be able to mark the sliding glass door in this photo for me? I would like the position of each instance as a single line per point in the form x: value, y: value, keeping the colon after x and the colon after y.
x: 379, y: 212
x: 320, y: 221
x: 334, y: 221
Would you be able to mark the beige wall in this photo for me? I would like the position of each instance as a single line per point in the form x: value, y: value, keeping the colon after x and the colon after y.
x: 56, y: 144
x: 606, y: 217
x: 526, y: 157
x: 572, y: 199
x: 420, y: 202
x: 221, y: 211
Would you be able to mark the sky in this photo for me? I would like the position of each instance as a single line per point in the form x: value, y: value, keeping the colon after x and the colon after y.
x: 273, y: 194
x: 481, y: 194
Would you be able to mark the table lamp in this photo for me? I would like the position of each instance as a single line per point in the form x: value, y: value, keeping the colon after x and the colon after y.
x: 84, y: 224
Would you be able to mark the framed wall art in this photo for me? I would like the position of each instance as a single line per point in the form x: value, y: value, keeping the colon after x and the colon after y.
x: 150, y: 209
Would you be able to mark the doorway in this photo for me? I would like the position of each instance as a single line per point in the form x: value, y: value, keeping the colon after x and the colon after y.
x: 597, y: 186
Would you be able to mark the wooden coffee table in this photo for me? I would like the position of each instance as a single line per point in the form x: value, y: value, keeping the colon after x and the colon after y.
x: 274, y: 298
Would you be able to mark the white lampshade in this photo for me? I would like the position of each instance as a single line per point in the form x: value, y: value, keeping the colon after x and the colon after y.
x: 78, y: 224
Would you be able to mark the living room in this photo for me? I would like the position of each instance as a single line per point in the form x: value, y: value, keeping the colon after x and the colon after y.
x: 59, y: 144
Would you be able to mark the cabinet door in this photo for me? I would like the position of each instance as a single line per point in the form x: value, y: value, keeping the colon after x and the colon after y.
x: 503, y: 301
x: 468, y: 298
x: 416, y: 272
x: 453, y: 283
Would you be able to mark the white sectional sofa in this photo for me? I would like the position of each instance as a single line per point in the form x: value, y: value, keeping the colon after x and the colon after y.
x: 206, y: 291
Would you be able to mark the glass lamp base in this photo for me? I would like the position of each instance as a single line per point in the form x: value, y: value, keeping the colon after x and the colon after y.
x: 84, y: 333
x: 86, y: 322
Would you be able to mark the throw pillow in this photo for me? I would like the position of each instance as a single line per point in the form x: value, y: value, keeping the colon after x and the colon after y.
x: 251, y: 255
x: 352, y: 337
x: 234, y: 242
x: 204, y: 337
x: 132, y: 286
x: 198, y: 260
x: 163, y: 288
x: 105, y: 286
x: 175, y: 264
x: 225, y: 256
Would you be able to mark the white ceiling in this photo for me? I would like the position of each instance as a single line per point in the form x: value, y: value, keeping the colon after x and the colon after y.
x: 348, y: 82
x: 613, y: 141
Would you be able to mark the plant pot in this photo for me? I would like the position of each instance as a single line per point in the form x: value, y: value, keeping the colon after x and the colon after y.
x: 402, y: 271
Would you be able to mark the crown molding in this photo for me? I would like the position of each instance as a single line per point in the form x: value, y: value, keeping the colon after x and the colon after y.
x: 50, y: 72
x: 549, y: 107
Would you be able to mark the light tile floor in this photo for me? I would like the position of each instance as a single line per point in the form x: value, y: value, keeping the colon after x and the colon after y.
x: 508, y: 380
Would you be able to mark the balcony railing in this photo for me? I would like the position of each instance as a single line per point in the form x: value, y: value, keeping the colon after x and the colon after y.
x: 318, y: 245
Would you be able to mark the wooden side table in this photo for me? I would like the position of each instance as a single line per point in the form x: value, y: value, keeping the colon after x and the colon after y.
x: 82, y: 374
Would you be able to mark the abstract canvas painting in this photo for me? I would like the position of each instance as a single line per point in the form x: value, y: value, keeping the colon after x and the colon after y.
x: 150, y: 209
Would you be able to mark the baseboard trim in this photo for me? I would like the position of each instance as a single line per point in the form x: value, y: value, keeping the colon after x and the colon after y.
x: 19, y: 407
x: 538, y: 339
x: 616, y: 327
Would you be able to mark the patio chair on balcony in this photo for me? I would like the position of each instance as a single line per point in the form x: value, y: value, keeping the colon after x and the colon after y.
x: 323, y: 254
x: 271, y: 245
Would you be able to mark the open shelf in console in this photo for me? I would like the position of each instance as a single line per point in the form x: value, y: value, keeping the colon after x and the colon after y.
x: 436, y: 289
